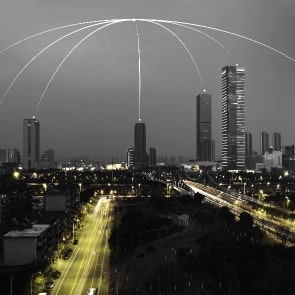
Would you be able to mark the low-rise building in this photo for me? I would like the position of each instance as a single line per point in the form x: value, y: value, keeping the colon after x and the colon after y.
x: 22, y: 247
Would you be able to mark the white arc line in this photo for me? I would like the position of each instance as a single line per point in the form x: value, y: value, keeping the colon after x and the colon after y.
x: 38, y: 54
x: 185, y: 47
x: 65, y: 58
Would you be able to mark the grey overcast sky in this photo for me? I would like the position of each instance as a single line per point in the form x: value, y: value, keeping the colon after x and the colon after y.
x: 91, y: 106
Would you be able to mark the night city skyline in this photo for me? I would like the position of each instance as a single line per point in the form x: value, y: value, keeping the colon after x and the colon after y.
x: 147, y: 147
x: 106, y: 101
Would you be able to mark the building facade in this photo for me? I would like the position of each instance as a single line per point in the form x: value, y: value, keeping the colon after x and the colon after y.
x: 31, y: 143
x: 203, y: 128
x: 47, y: 159
x: 248, y: 144
x: 16, y: 156
x: 140, y: 154
x: 276, y: 141
x: 233, y: 118
x: 289, y: 157
x: 152, y: 157
x: 4, y: 156
x: 264, y: 142
x: 130, y: 157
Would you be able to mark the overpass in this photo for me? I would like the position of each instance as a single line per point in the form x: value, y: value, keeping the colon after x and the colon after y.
x: 269, y: 223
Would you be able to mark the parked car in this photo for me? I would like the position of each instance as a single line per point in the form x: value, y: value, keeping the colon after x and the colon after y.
x: 67, y: 253
x: 49, y: 284
x: 56, y: 274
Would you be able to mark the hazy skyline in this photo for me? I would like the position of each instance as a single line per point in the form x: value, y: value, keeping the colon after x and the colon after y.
x: 91, y: 106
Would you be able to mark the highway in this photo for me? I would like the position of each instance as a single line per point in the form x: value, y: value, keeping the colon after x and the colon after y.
x: 269, y: 223
x: 88, y: 266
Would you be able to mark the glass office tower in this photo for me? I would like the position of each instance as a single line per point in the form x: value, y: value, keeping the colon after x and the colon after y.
x: 233, y: 118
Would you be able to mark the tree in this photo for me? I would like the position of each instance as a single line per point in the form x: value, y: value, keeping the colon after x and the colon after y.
x: 226, y: 216
x: 246, y: 222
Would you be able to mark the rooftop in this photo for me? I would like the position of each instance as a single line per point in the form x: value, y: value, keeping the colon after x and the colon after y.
x: 35, y: 231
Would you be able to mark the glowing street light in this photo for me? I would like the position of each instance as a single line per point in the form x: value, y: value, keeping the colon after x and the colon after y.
x: 16, y: 174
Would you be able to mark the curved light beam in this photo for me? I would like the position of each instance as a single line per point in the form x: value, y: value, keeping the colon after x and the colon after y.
x: 184, y: 24
x: 38, y: 54
x: 208, y: 36
x: 50, y: 30
x: 139, y: 74
x: 230, y: 33
x: 65, y: 58
x: 162, y: 21
x: 187, y: 50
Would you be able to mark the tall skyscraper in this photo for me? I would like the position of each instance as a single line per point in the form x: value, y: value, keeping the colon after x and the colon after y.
x: 31, y: 143
x: 264, y: 142
x: 276, y: 141
x: 233, y: 118
x: 204, y: 127
x: 140, y: 155
x: 248, y: 144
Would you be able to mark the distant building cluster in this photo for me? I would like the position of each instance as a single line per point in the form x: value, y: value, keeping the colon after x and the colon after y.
x: 237, y: 145
x: 30, y: 158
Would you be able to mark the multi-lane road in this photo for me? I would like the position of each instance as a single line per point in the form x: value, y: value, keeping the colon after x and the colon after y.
x: 88, y: 265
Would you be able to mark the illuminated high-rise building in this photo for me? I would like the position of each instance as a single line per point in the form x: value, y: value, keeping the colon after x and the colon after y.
x: 31, y: 143
x: 130, y: 157
x: 204, y: 133
x: 264, y: 142
x: 233, y: 118
x: 140, y: 155
x: 276, y: 141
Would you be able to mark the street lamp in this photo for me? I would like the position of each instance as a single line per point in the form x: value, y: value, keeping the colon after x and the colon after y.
x: 36, y: 273
x: 244, y: 188
x: 139, y: 192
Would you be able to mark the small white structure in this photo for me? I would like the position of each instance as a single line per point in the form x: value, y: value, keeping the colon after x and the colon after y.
x: 21, y: 247
x: 183, y: 220
x: 271, y: 159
